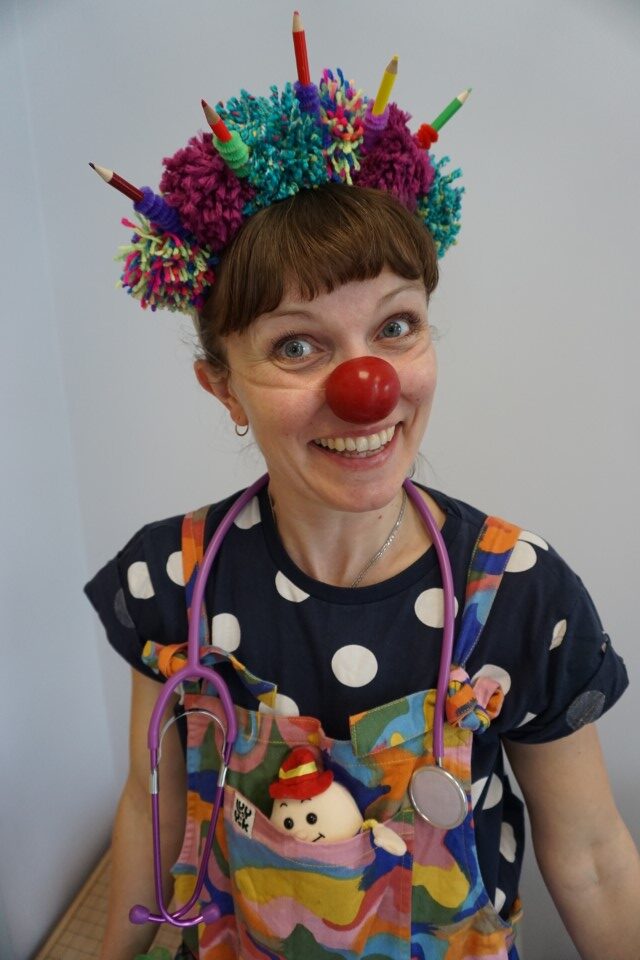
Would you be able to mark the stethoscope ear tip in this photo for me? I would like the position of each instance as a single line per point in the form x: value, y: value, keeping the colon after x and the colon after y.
x: 139, y: 914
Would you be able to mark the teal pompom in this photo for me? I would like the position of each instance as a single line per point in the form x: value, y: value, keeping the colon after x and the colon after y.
x: 285, y: 145
x: 440, y: 208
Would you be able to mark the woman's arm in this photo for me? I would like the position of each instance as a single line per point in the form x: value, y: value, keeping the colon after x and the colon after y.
x: 585, y: 853
x: 131, y: 849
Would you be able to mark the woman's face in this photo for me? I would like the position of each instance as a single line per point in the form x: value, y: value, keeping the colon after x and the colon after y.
x: 278, y: 370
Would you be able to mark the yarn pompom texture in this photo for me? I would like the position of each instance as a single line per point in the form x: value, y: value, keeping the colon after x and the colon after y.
x: 440, y: 209
x: 397, y: 163
x: 343, y: 108
x: 165, y: 270
x: 208, y: 195
x: 285, y: 144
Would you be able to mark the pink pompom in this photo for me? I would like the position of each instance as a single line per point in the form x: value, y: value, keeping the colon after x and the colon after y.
x: 209, y: 197
x: 397, y: 163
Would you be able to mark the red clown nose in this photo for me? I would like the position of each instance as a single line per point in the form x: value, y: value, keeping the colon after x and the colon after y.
x: 363, y: 390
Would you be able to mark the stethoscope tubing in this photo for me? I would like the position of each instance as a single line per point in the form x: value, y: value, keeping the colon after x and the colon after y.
x: 446, y: 650
x: 194, y: 670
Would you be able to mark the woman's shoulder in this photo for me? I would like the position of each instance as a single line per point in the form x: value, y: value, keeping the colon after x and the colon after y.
x: 532, y: 550
x: 168, y: 530
x: 139, y: 593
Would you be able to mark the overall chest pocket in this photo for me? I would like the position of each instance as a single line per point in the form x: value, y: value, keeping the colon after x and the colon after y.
x: 296, y: 899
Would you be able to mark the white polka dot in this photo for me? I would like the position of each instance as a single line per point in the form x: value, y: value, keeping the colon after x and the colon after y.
x: 249, y: 515
x: 507, y: 842
x: 499, y: 900
x: 288, y: 590
x: 494, y: 793
x: 527, y: 718
x: 225, y: 632
x: 429, y: 607
x: 285, y: 707
x: 139, y: 580
x: 533, y: 538
x: 522, y: 558
x: 494, y: 672
x: 354, y: 665
x: 174, y: 568
x: 558, y: 634
x: 476, y: 790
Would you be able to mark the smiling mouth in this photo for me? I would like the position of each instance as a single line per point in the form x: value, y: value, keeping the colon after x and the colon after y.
x: 319, y: 837
x: 358, y: 446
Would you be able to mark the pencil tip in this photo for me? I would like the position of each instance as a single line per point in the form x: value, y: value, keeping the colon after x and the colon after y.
x: 92, y: 165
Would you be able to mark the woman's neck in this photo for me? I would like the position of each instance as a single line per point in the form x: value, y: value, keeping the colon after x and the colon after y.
x: 335, y: 546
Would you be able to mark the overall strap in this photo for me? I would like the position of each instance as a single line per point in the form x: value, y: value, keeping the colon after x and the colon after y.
x: 170, y: 659
x: 193, y: 532
x: 474, y: 705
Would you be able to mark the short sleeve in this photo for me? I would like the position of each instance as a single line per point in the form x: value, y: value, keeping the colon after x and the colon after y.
x: 139, y: 594
x: 574, y: 677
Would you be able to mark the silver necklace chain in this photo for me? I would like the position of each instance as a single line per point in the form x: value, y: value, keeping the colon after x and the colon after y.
x: 385, y: 546
x: 383, y: 549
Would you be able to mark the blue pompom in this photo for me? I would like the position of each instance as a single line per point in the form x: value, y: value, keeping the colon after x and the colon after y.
x: 440, y: 208
x: 285, y: 145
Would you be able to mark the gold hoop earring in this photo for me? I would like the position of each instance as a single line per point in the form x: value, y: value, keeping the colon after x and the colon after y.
x: 241, y: 433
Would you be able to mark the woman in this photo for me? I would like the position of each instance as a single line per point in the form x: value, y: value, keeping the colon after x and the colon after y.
x: 327, y: 585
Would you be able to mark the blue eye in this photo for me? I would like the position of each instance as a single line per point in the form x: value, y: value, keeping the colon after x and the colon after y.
x: 292, y: 347
x: 396, y: 328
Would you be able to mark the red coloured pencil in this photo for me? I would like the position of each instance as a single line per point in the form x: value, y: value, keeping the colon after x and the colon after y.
x: 115, y: 180
x: 300, y: 50
x: 216, y: 123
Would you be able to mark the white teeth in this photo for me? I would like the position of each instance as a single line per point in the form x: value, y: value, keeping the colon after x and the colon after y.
x: 358, y: 444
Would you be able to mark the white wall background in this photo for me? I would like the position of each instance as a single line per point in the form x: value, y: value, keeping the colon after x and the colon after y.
x: 104, y: 427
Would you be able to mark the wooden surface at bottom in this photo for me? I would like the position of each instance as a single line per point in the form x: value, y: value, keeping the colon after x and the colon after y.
x: 79, y: 933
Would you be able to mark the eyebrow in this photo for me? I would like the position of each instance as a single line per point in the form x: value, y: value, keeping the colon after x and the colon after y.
x: 295, y: 311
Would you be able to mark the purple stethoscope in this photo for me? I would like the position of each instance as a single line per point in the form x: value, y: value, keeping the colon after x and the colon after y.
x: 365, y: 390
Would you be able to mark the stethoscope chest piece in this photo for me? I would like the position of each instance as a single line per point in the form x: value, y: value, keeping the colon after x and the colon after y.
x: 438, y: 797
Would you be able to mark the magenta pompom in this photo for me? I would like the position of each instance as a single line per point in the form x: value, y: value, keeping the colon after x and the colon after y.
x: 209, y: 197
x: 397, y: 163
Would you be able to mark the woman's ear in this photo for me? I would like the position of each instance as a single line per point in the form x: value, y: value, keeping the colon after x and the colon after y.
x: 216, y: 382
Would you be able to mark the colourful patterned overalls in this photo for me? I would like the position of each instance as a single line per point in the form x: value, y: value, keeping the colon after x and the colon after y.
x: 284, y: 898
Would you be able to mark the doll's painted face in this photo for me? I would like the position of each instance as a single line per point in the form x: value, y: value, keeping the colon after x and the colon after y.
x: 329, y: 816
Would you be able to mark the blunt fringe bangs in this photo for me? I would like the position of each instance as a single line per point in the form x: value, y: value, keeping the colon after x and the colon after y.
x: 312, y: 243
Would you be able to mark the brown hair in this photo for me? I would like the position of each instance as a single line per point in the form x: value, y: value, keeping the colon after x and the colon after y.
x: 312, y: 242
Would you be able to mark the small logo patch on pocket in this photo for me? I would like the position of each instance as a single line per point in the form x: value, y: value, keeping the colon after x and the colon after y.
x: 243, y: 815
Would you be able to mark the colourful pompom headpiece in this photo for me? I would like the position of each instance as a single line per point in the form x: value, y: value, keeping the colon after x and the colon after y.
x: 263, y: 149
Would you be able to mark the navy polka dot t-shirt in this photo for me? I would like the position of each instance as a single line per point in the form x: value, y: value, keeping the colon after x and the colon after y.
x: 336, y: 651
